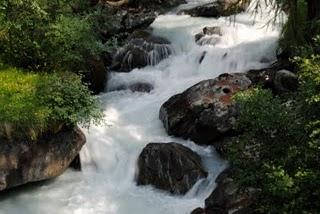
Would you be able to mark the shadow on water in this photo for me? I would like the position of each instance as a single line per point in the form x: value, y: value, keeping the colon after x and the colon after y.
x: 26, y: 188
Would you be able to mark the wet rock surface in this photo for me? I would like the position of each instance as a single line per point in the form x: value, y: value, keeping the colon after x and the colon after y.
x: 169, y: 166
x: 97, y: 75
x: 205, y: 112
x: 119, y: 20
x: 159, y: 5
x: 227, y: 197
x: 218, y: 8
x: 206, y: 10
x: 135, y: 87
x: 130, y: 16
x: 278, y: 77
x: 285, y: 81
x: 49, y: 157
x: 209, y: 36
x: 142, y: 49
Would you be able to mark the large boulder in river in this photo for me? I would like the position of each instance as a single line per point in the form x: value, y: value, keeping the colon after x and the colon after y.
x: 142, y: 49
x: 23, y: 162
x: 204, y: 112
x: 169, y: 166
x: 218, y: 8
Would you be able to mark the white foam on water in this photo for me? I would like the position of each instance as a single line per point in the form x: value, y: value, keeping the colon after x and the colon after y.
x: 106, y: 184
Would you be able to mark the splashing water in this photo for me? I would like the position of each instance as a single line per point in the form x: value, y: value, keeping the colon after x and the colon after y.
x: 106, y: 184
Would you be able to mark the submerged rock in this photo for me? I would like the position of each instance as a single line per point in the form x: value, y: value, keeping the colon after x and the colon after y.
x: 141, y: 87
x: 169, y: 166
x: 204, y: 112
x: 142, y: 49
x: 135, y: 87
x: 218, y: 8
x: 24, y: 162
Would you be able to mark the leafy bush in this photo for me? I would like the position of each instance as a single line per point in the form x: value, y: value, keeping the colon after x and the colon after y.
x: 72, y: 42
x: 46, y: 35
x: 278, y: 152
x: 40, y: 102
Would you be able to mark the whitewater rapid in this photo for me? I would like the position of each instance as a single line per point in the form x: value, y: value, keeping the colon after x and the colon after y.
x: 106, y: 184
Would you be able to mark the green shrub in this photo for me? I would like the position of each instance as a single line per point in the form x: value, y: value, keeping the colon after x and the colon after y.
x: 72, y: 42
x: 40, y: 102
x: 46, y: 35
x: 278, y: 150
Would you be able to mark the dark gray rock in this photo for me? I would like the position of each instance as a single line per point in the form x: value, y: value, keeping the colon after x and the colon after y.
x: 169, y: 166
x: 198, y: 210
x: 277, y: 77
x: 134, y: 15
x: 285, y: 81
x: 117, y: 20
x: 141, y: 87
x: 76, y: 163
x: 158, y: 5
x: 24, y: 162
x: 218, y: 8
x: 209, y: 36
x: 227, y: 197
x: 205, y: 112
x: 206, y: 10
x: 142, y: 49
x: 215, y: 30
x: 135, y: 87
x: 97, y: 75
x: 135, y: 21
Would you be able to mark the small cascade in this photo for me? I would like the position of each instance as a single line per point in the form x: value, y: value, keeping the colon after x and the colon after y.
x: 141, y: 52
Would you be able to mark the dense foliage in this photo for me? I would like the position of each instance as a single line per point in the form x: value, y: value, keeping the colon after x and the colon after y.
x: 46, y: 35
x: 37, y: 39
x: 39, y: 102
x: 278, y: 152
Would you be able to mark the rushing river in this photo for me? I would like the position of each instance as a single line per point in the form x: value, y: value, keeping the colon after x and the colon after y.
x: 106, y: 184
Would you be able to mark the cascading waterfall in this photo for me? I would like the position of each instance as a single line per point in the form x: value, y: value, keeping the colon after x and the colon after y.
x: 159, y: 52
x: 106, y: 184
